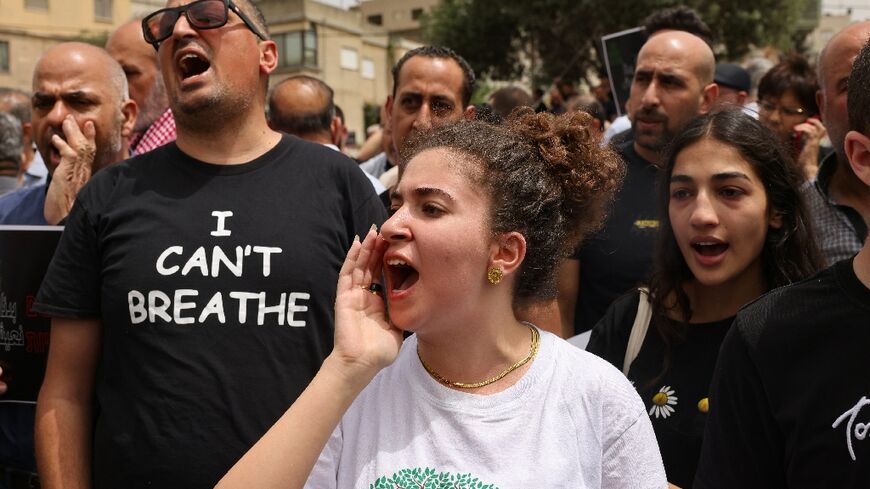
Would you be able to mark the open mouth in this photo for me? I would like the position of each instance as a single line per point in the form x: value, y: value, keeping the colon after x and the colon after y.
x: 54, y: 153
x: 400, y: 275
x: 710, y: 248
x: 192, y: 64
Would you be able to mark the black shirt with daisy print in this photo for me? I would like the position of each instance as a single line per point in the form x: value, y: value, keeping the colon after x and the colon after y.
x: 676, y: 399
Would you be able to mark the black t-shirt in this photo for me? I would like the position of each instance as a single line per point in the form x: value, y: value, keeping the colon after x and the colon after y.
x: 619, y: 256
x: 789, y: 401
x: 677, y: 403
x: 215, y: 286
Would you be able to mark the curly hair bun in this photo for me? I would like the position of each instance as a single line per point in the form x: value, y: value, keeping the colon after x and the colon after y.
x: 588, y: 174
x: 547, y: 176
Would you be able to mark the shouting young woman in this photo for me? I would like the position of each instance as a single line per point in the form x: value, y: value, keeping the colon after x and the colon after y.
x: 475, y: 397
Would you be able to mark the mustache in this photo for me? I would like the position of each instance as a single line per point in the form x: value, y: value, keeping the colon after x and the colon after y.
x: 185, y: 42
x: 651, y: 114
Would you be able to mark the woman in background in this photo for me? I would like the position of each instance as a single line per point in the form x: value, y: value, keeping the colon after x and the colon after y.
x: 787, y: 105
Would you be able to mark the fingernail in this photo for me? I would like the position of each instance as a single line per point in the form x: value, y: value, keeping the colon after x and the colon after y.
x: 356, y: 237
x: 373, y: 228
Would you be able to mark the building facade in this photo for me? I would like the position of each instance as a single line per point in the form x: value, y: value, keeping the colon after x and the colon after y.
x: 336, y: 45
x: 29, y: 27
x: 397, y: 17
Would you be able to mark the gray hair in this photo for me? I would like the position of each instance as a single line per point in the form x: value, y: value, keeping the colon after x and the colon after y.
x: 118, y: 79
x: 17, y: 101
x: 10, y: 138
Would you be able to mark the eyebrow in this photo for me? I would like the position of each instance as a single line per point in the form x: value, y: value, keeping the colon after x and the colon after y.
x: 438, y: 97
x: 662, y: 74
x: 426, y: 191
x: 670, y: 77
x: 41, y: 97
x: 423, y: 192
x: 76, y: 95
x: 718, y: 177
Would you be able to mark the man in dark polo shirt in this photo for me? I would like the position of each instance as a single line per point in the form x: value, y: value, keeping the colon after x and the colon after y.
x: 673, y: 83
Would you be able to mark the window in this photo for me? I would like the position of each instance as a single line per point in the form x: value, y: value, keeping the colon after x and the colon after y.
x: 349, y: 59
x: 367, y: 69
x: 103, y: 9
x: 36, y: 4
x: 4, y: 57
x: 416, y: 13
x: 377, y: 19
x: 297, y: 48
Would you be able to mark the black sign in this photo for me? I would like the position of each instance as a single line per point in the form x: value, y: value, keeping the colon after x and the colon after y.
x: 620, y: 56
x: 25, y: 252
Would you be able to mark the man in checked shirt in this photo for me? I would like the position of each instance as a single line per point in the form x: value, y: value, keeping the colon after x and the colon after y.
x: 155, y: 125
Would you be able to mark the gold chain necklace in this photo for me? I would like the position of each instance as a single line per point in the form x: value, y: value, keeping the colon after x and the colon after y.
x: 533, y: 350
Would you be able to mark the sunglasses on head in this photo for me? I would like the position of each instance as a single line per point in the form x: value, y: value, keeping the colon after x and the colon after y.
x: 202, y: 14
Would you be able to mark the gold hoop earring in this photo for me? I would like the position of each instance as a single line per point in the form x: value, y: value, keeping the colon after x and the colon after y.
x: 494, y: 275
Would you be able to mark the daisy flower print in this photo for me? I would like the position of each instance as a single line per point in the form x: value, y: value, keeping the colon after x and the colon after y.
x: 663, y: 402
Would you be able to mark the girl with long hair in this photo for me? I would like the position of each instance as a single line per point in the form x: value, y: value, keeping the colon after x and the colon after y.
x: 733, y: 227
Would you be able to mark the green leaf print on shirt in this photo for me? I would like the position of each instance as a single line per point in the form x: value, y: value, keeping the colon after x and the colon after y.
x: 429, y: 479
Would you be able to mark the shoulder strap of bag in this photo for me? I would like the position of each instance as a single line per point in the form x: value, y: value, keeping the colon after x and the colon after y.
x: 638, y: 329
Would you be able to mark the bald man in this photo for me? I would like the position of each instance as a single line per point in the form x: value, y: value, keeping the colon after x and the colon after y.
x: 155, y: 125
x: 82, y: 118
x: 673, y: 83
x: 839, y: 202
x: 303, y: 106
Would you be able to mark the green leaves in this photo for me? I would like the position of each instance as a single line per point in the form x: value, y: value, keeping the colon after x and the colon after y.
x: 550, y: 38
x: 426, y: 478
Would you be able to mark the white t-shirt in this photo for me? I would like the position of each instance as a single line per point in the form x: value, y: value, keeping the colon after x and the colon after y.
x: 572, y: 421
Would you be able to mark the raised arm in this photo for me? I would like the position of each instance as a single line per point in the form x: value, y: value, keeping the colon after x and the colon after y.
x: 64, y: 408
x: 365, y: 343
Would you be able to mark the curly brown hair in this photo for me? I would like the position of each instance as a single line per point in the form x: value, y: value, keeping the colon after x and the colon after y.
x: 547, y: 178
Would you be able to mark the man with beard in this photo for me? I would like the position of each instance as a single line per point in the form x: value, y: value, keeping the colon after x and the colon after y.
x: 155, y: 125
x: 192, y: 291
x: 81, y: 119
x: 673, y: 83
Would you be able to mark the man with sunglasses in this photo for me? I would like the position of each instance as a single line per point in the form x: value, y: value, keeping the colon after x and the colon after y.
x: 192, y: 292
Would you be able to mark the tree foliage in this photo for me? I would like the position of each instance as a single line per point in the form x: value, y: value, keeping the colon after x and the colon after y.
x: 554, y: 38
